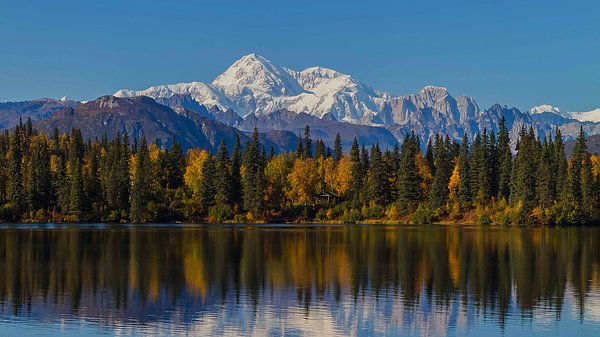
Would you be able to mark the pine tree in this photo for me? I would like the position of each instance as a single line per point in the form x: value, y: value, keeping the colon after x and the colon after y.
x: 208, y: 186
x: 430, y: 156
x: 300, y: 148
x: 14, y: 192
x: 140, y: 188
x: 308, y: 150
x: 253, y: 179
x: 576, y: 168
x: 379, y: 184
x: 409, y: 180
x: 524, y: 177
x: 337, y: 148
x: 545, y: 185
x: 504, y: 161
x: 438, y: 196
x: 560, y: 169
x: 236, y: 178
x: 223, y: 186
x: 176, y: 164
x: 356, y: 175
x: 464, y: 189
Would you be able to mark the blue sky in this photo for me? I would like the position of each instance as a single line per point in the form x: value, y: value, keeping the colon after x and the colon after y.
x: 518, y: 53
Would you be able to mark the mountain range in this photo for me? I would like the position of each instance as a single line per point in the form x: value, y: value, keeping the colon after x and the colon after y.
x: 279, y: 102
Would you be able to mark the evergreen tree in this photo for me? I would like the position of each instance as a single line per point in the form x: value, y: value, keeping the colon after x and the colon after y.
x: 308, y: 150
x: 464, y: 189
x: 14, y: 193
x: 409, y: 180
x: 141, y: 185
x: 576, y: 168
x: 253, y: 179
x: 356, y: 175
x: 300, y: 148
x: 560, y: 169
x: 524, y: 177
x: 504, y: 161
x: 438, y: 196
x: 208, y: 186
x: 430, y: 156
x: 236, y: 178
x: 379, y: 184
x: 337, y: 148
x: 223, y: 186
x: 176, y: 164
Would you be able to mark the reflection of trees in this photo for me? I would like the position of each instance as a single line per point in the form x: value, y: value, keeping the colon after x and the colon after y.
x: 481, y: 267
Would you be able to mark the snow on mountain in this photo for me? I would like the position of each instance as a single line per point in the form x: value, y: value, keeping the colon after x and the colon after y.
x: 587, y: 116
x: 540, y: 109
x: 203, y: 93
x: 253, y: 85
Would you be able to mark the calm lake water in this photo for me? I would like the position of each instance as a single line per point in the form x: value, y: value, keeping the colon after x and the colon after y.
x: 286, y: 280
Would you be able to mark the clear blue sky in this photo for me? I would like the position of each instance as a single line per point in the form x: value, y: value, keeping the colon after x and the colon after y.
x: 518, y: 53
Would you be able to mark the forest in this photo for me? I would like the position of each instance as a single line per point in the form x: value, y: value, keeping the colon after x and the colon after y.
x: 64, y: 178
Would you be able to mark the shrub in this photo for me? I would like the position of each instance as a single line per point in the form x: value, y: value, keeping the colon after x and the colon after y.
x: 484, y: 219
x: 220, y: 213
x: 351, y: 216
x: 422, y: 215
x: 374, y: 211
x: 321, y: 214
x: 392, y: 212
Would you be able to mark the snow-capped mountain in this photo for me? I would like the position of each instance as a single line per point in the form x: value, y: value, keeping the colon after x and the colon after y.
x: 544, y: 108
x: 586, y: 116
x: 253, y: 85
x: 256, y: 89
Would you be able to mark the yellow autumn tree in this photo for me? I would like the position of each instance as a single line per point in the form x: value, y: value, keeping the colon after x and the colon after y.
x: 276, y: 173
x: 343, y: 175
x: 595, y: 161
x: 304, y: 182
x: 193, y: 170
x: 453, y: 186
x: 327, y: 171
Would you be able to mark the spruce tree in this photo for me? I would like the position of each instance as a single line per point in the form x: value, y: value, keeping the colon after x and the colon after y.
x: 236, y: 178
x: 504, y: 155
x: 379, y: 184
x: 308, y: 149
x: 464, y: 189
x: 337, y: 148
x: 15, y: 178
x: 409, y: 181
x: 141, y: 185
x: 356, y: 175
x: 224, y: 189
x: 253, y: 179
x: 438, y: 196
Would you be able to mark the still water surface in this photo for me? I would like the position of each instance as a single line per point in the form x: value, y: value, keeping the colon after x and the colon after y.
x: 284, y: 280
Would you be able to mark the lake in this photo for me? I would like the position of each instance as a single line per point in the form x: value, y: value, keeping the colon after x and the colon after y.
x: 371, y: 280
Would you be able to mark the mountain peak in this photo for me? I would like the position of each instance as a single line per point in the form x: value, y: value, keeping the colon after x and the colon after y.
x: 544, y: 108
x: 258, y: 75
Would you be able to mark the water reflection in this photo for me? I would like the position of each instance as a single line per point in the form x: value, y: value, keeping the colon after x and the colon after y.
x: 362, y: 280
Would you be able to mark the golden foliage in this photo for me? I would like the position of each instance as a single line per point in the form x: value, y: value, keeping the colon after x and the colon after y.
x: 193, y: 170
x: 343, y: 175
x: 304, y: 182
x: 424, y: 173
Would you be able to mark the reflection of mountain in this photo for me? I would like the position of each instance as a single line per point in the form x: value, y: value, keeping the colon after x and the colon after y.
x: 338, y: 280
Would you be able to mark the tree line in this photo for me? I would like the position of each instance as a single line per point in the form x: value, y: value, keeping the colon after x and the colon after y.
x: 62, y: 177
